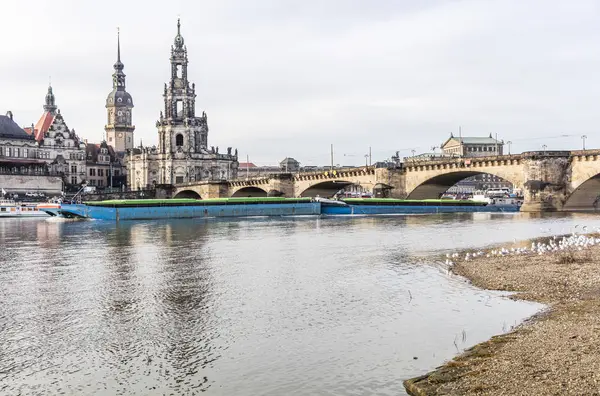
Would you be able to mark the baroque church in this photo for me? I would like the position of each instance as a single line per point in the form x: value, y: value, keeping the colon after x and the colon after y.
x: 182, y: 154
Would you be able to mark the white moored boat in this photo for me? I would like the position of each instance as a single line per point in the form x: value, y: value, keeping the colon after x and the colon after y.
x: 10, y: 208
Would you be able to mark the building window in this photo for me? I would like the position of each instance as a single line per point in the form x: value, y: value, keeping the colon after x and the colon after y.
x: 110, y: 139
x: 92, y: 172
x: 116, y: 172
x: 9, y: 152
x: 92, y: 182
x: 178, y: 179
x: 100, y: 182
x: 179, y: 140
x: 73, y: 179
x: 101, y: 172
x: 25, y: 152
x: 128, y: 139
x: 73, y: 168
x: 179, y: 108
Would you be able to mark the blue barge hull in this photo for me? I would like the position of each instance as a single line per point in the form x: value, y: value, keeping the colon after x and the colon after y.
x: 411, y: 209
x: 182, y: 212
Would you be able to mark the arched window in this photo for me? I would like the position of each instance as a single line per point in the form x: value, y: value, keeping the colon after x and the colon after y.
x: 179, y: 140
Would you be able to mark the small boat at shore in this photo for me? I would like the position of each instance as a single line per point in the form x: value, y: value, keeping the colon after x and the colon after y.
x: 10, y: 208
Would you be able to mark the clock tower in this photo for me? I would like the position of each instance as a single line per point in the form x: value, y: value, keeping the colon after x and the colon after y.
x: 119, y: 105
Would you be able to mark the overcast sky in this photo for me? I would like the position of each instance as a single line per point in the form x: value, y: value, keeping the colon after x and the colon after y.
x: 284, y: 78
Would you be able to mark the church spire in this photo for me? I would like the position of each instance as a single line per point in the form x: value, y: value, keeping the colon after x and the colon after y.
x: 179, y: 38
x: 118, y: 45
x: 50, y: 103
x: 118, y: 75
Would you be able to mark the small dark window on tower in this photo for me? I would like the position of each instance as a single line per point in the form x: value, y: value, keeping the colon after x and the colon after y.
x: 179, y: 104
x: 178, y: 71
x: 179, y: 140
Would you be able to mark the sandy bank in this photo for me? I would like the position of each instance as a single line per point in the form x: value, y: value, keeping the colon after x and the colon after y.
x: 555, y: 353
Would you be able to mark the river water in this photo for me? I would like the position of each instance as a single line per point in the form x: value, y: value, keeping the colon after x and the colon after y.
x: 280, y: 306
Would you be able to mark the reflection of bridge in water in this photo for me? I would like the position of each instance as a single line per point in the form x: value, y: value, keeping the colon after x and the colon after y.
x: 550, y: 180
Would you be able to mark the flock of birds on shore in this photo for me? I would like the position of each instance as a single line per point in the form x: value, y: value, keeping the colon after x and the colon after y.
x: 573, y: 242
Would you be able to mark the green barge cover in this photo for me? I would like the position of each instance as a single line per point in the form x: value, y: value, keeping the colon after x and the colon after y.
x: 410, y: 202
x: 137, y: 203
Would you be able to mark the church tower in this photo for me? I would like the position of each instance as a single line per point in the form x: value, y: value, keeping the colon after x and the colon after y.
x: 119, y: 105
x: 180, y: 131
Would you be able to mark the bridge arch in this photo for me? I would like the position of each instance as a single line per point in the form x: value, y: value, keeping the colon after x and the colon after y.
x: 586, y: 196
x: 250, y: 191
x: 433, y: 187
x: 188, y: 194
x: 325, y: 189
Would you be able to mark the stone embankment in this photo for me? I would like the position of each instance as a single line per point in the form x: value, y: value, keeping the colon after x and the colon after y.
x: 555, y: 353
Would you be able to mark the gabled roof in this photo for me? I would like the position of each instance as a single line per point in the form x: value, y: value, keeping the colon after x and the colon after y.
x: 246, y: 165
x: 42, y: 126
x: 10, y: 130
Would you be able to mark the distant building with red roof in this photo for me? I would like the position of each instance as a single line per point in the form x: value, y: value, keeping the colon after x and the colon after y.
x: 58, y: 145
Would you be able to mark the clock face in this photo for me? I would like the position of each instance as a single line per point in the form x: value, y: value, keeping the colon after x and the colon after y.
x: 120, y: 135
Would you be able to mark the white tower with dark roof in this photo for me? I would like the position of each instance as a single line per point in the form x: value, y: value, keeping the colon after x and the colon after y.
x: 119, y: 104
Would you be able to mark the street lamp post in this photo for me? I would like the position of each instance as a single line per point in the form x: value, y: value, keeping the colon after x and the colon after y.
x: 413, y: 151
x: 366, y: 160
x: 583, y: 138
x: 509, y: 143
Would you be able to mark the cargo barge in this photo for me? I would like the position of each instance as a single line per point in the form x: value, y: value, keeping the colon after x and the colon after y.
x: 373, y: 206
x: 145, y: 209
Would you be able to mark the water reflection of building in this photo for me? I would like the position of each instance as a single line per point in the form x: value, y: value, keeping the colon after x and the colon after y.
x: 48, y: 233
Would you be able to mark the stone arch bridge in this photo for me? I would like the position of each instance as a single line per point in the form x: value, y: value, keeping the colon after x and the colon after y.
x: 550, y: 180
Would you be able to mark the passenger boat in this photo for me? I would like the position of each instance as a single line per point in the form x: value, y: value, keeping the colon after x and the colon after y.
x: 144, y: 209
x: 10, y: 208
x: 504, y: 203
x: 372, y: 206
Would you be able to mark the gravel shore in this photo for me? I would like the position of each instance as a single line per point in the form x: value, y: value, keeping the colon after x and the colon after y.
x: 555, y: 353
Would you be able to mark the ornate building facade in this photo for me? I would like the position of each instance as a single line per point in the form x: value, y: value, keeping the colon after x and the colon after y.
x: 21, y: 170
x: 472, y: 146
x: 119, y: 105
x: 58, y: 145
x: 182, y: 154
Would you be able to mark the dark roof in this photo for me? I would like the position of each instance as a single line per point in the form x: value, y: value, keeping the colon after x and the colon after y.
x: 93, y: 149
x: 10, y: 130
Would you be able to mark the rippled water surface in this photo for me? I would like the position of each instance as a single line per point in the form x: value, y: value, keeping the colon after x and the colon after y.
x: 294, y: 306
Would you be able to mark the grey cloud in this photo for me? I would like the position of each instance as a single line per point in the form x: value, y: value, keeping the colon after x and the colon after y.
x: 281, y: 78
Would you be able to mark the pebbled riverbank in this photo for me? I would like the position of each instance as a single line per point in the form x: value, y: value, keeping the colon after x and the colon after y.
x: 555, y: 352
